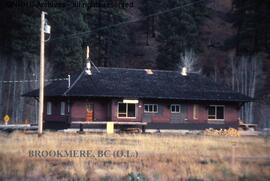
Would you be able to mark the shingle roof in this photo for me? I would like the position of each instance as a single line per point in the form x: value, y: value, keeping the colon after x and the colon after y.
x: 137, y: 83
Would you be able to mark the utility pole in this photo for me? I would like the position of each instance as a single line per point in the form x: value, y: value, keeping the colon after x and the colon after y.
x: 41, y: 75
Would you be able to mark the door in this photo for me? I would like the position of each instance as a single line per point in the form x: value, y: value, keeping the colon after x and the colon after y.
x: 178, y: 113
x: 89, y: 112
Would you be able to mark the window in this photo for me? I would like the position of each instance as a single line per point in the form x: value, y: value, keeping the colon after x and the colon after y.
x: 49, y: 108
x: 68, y: 107
x: 175, y: 108
x: 126, y: 110
x: 216, y: 112
x: 150, y: 108
x: 195, y: 111
x: 62, y: 108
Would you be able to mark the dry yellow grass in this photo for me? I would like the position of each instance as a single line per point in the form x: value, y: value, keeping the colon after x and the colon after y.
x: 160, y: 157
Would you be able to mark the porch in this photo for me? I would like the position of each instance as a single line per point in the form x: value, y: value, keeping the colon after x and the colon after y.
x: 108, y: 125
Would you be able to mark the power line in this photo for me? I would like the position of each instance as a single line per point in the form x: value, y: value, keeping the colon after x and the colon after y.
x: 78, y: 78
x: 75, y: 35
x: 25, y: 81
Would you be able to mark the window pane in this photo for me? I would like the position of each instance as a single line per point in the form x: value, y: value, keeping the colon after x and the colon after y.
x: 89, y: 107
x: 211, y: 110
x: 122, y: 108
x: 177, y: 108
x: 211, y: 117
x: 220, y: 112
x: 62, y: 111
x: 150, y: 108
x: 146, y: 109
x: 194, y: 111
x: 173, y: 108
x: 49, y: 108
x: 131, y: 110
x: 122, y: 115
x: 155, y: 108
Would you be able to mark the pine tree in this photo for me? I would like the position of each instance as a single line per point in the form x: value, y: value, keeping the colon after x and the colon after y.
x: 17, y: 26
x: 252, y: 22
x: 178, y: 30
x: 148, y: 8
x: 107, y: 41
x: 65, y: 49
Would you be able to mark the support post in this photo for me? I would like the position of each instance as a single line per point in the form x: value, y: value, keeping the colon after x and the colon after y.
x: 143, y: 129
x: 41, y: 75
x: 81, y: 131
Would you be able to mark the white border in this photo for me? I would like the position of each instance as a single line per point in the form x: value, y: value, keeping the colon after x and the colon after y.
x: 175, y: 112
x: 117, y: 113
x: 216, y: 113
x: 148, y: 108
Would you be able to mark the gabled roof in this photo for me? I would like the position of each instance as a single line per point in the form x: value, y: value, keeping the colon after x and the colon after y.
x: 140, y: 83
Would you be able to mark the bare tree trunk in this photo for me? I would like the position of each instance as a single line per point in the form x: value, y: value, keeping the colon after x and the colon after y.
x: 8, y: 95
x: 244, y: 76
x: 14, y: 97
x: 20, y: 109
x: 189, y: 60
x: 2, y: 73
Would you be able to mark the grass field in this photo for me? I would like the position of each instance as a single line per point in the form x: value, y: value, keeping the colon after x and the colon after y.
x: 132, y: 157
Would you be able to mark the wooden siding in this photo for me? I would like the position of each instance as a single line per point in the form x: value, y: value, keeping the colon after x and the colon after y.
x: 164, y: 115
x: 56, y: 108
x: 138, y: 113
x: 106, y: 110
x: 231, y: 113
x: 202, y: 113
x: 78, y: 110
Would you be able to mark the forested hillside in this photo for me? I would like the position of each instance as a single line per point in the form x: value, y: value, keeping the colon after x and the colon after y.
x: 228, y: 41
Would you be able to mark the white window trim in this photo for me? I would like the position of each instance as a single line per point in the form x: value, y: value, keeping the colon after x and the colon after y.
x: 175, y: 109
x: 117, y: 114
x: 49, y: 108
x: 195, y: 111
x: 216, y: 112
x: 62, y: 108
x: 148, y: 108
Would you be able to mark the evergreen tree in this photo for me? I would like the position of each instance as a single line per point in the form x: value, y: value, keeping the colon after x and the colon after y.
x: 252, y: 22
x: 107, y: 42
x: 19, y: 30
x: 66, y: 47
x: 20, y: 34
x: 179, y: 30
x: 148, y: 8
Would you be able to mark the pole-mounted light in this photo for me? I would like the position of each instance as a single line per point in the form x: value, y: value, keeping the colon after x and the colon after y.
x: 47, y: 28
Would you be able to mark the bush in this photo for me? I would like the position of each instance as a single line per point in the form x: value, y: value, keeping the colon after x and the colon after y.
x: 135, y: 177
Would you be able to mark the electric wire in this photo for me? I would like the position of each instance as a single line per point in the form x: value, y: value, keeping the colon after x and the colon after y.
x: 76, y: 35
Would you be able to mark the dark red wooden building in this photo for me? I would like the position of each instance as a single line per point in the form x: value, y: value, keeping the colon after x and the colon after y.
x: 162, y: 99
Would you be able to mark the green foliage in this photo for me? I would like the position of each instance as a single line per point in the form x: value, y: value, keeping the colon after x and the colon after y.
x: 106, y: 41
x: 65, y: 50
x: 19, y: 29
x: 135, y: 177
x: 194, y: 179
x: 251, y: 20
x: 148, y: 8
x: 20, y: 34
x: 179, y: 30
